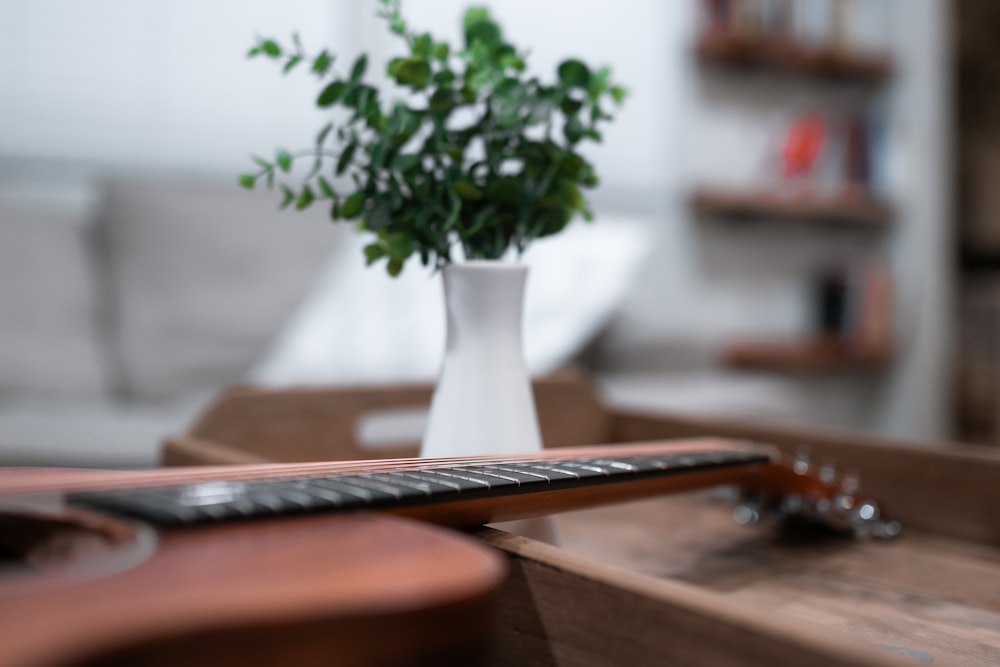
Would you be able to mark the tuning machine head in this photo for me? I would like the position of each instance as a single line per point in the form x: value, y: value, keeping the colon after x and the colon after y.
x: 799, y: 492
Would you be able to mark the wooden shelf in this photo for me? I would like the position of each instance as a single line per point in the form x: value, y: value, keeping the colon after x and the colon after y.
x: 848, y: 209
x: 804, y: 356
x: 784, y: 54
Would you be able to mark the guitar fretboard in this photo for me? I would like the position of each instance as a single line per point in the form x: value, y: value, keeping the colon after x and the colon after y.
x: 222, y: 500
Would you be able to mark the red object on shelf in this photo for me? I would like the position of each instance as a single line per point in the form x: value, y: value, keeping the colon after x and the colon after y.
x: 803, y: 144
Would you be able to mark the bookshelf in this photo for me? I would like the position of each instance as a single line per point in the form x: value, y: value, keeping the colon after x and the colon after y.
x: 787, y: 55
x: 851, y: 209
x: 829, y: 47
x: 813, y: 355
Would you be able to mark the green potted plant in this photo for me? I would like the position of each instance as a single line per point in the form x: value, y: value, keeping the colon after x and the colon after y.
x: 477, y: 158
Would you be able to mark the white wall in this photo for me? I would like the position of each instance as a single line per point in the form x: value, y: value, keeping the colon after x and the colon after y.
x: 163, y: 84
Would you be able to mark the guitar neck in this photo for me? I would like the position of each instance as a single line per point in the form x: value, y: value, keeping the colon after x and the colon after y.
x: 457, y: 491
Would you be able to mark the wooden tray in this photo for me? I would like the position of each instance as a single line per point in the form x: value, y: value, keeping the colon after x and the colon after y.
x: 675, y: 580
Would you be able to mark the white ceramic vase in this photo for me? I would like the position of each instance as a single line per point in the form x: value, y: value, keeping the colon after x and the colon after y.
x: 483, y: 402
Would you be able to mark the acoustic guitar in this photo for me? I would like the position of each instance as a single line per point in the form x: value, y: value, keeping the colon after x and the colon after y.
x: 349, y: 563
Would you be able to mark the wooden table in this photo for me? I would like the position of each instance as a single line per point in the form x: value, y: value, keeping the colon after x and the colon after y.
x: 675, y: 580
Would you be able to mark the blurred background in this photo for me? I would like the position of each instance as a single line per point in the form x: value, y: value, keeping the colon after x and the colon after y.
x: 795, y: 220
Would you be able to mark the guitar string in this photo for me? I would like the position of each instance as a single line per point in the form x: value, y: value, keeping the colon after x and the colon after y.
x: 248, y: 472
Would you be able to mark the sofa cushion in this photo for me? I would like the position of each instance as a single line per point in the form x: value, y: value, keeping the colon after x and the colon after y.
x: 95, y: 434
x: 48, y: 339
x: 201, y: 278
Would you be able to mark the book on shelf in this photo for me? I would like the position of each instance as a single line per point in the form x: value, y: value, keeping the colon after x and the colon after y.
x: 832, y: 155
x: 852, y: 326
x: 840, y: 25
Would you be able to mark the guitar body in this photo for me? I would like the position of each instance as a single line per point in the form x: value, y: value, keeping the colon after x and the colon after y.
x: 359, y: 589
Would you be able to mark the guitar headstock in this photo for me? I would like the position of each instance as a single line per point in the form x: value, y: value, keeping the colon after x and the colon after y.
x: 800, y: 491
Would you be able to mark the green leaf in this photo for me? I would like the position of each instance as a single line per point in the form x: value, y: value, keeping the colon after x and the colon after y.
x: 574, y: 74
x: 289, y: 196
x: 399, y: 245
x: 467, y: 190
x: 345, y: 157
x: 441, y: 101
x: 292, y: 62
x: 618, y: 94
x: 284, y: 160
x: 441, y: 51
x: 373, y: 253
x: 398, y: 25
x: 332, y: 93
x: 352, y: 205
x: 484, y: 32
x: 597, y: 83
x: 413, y: 72
x: 506, y: 190
x: 261, y: 161
x: 405, y: 162
x: 444, y: 78
x: 323, y: 134
x: 394, y: 267
x: 271, y: 48
x: 358, y: 70
x: 570, y: 106
x: 306, y: 197
x: 392, y: 67
x: 325, y: 188
x: 380, y: 216
x: 254, y: 52
x: 573, y: 129
x: 423, y: 46
x: 322, y: 63
x: 475, y: 15
x: 247, y: 181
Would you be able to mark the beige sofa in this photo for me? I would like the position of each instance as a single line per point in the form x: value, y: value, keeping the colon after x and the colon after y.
x: 120, y: 316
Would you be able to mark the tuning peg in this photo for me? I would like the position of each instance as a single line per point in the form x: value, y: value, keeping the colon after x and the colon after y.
x: 828, y: 472
x: 801, y: 462
x: 886, y: 530
x: 850, y: 483
x: 747, y: 513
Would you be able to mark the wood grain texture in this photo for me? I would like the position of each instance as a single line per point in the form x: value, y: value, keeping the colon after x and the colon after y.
x: 855, y: 210
x: 921, y: 592
x: 778, y: 54
x: 560, y: 609
x: 946, y: 489
x: 303, y: 591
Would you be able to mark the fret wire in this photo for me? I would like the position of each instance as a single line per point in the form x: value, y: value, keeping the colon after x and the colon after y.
x: 552, y: 468
x: 464, y: 478
x: 584, y: 466
x: 446, y: 483
x: 520, y: 471
x: 480, y: 471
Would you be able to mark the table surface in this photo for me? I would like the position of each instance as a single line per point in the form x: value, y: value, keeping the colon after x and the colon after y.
x: 919, y: 595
